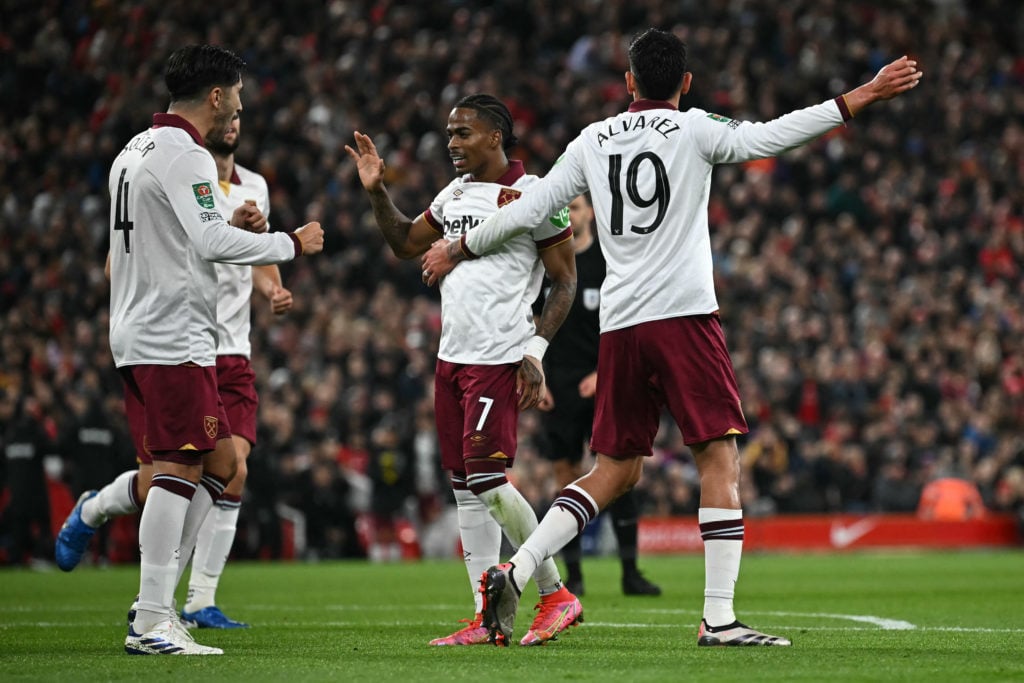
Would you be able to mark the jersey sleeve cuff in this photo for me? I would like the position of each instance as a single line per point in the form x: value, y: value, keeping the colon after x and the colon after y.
x: 297, y: 243
x: 465, y: 249
x: 844, y: 108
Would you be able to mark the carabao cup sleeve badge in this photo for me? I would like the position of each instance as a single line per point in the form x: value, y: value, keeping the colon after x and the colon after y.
x: 204, y: 194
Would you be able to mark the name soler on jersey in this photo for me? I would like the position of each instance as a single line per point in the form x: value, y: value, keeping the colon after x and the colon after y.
x: 657, y: 124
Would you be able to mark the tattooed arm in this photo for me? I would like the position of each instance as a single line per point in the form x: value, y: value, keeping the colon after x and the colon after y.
x: 560, y: 263
x: 407, y: 238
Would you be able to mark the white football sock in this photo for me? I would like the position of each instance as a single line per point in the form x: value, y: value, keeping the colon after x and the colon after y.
x: 197, y: 513
x: 721, y: 562
x: 481, y: 539
x: 557, y: 528
x: 115, y: 499
x: 159, y: 545
x: 213, y: 546
x: 518, y: 521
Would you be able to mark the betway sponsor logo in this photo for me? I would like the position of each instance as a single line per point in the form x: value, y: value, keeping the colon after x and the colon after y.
x: 457, y: 227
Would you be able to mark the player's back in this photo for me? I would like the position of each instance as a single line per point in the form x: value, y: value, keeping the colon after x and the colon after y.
x: 162, y: 293
x: 649, y: 180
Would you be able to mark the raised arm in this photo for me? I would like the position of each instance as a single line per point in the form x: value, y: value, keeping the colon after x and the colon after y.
x: 407, y: 238
x: 723, y: 141
x: 893, y: 78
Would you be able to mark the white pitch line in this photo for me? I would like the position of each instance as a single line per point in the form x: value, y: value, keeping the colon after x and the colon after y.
x: 587, y: 625
x: 881, y: 622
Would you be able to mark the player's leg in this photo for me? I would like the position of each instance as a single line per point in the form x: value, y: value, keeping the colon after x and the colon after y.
x: 183, y: 420
x: 625, y: 514
x: 625, y: 423
x: 236, y: 384
x: 691, y: 357
x: 213, y: 546
x: 492, y: 414
x: 721, y: 526
x: 576, y: 505
x: 567, y: 428
x: 219, y: 467
x: 479, y: 532
x: 572, y: 552
x: 491, y: 411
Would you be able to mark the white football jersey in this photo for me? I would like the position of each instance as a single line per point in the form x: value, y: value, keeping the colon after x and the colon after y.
x: 648, y: 170
x: 234, y: 283
x: 486, y: 304
x: 165, y: 233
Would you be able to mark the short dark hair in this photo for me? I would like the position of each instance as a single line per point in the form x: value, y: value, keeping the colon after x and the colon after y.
x: 194, y: 69
x: 495, y: 111
x: 657, y: 60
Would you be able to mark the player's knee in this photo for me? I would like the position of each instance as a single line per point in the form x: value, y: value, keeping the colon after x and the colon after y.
x: 484, y: 475
x: 241, y: 474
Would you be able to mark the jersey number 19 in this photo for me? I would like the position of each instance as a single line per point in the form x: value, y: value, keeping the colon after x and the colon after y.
x: 662, y: 192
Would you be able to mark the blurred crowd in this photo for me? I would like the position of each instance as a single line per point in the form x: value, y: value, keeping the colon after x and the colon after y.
x: 870, y: 284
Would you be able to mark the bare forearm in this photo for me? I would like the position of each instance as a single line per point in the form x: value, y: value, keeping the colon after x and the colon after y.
x: 393, y: 224
x: 265, y: 278
x: 893, y: 79
x: 556, y: 308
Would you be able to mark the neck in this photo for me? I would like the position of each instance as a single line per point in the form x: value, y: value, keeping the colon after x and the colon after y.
x: 225, y: 164
x: 493, y: 171
x: 201, y: 122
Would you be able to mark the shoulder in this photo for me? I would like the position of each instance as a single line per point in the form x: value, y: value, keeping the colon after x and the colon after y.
x: 525, y: 181
x: 250, y: 178
x: 248, y: 175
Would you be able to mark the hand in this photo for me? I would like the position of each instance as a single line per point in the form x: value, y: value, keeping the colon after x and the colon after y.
x: 588, y: 385
x: 280, y: 300
x: 249, y: 217
x: 896, y: 77
x: 311, y: 236
x: 439, y: 260
x: 368, y: 162
x: 547, y: 401
x: 529, y: 382
x: 891, y: 80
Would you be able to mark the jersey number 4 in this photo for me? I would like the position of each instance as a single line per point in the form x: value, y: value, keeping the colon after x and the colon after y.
x: 661, y: 196
x: 121, y: 220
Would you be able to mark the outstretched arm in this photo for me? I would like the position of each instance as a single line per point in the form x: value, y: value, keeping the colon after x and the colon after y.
x: 406, y: 237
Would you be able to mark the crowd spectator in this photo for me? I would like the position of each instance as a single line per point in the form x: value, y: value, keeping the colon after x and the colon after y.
x: 870, y: 285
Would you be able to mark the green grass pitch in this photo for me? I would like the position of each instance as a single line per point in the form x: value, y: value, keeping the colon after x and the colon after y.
x: 902, y: 616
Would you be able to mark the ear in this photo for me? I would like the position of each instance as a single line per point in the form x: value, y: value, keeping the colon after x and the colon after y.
x: 687, y: 79
x: 631, y: 85
x: 495, y: 138
x: 215, y: 97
